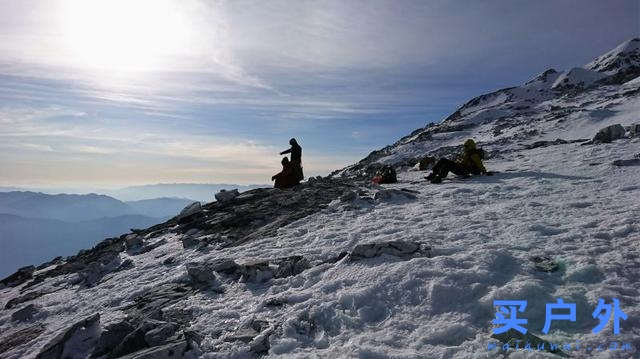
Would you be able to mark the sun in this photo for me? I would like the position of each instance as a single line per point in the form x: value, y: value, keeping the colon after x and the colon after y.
x: 124, y: 34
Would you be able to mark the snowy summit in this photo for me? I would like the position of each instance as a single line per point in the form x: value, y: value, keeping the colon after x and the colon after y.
x: 341, y: 267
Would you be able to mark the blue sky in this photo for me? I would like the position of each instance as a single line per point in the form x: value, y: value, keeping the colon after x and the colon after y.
x: 123, y: 92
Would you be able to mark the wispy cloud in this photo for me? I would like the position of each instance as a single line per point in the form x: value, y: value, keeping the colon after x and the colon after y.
x: 199, y: 90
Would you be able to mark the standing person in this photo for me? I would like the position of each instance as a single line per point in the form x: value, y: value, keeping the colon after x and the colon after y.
x: 296, y: 158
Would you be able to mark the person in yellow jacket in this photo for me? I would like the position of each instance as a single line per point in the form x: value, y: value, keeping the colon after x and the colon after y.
x: 470, y: 163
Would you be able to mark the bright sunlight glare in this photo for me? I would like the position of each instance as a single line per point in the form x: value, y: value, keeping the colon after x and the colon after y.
x: 125, y: 35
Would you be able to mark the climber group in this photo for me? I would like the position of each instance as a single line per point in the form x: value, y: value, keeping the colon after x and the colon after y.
x: 291, y: 173
x: 469, y: 163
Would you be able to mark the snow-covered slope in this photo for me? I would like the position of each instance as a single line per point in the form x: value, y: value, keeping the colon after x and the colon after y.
x: 342, y: 268
x: 625, y: 57
x: 569, y: 105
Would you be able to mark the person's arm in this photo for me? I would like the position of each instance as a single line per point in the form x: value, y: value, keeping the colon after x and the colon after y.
x: 478, y: 162
x: 285, y: 152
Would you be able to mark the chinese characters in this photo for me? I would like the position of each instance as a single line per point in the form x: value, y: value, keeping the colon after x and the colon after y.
x: 507, y: 315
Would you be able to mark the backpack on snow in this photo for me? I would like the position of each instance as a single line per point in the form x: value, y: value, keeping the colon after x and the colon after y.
x: 386, y: 174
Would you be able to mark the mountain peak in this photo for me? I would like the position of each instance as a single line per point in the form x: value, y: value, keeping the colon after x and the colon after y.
x: 624, y: 60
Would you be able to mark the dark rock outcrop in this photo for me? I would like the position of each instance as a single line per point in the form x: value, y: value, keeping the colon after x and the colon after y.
x: 10, y: 340
x: 402, y: 249
x: 87, y: 328
x: 29, y: 296
x: 609, y: 134
x: 22, y: 275
x: 625, y: 163
x: 25, y: 314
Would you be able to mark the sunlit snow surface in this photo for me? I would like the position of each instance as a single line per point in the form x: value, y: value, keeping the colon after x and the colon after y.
x: 564, y: 201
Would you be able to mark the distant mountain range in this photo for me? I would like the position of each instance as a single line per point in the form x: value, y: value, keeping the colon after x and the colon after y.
x: 202, y: 192
x: 75, y: 207
x: 196, y: 191
x: 35, y: 227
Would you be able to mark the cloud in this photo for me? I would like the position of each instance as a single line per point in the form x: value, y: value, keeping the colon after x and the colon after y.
x: 195, y: 90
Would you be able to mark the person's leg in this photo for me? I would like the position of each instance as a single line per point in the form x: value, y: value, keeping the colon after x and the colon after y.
x: 459, y: 170
x: 436, y: 169
x: 444, y: 166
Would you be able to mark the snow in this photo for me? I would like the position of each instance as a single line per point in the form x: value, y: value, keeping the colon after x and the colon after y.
x: 623, y: 56
x: 544, y: 201
x: 566, y: 201
x: 577, y: 77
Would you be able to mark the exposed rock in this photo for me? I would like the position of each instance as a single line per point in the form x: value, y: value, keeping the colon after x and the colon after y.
x: 260, y: 344
x: 609, y: 133
x: 249, y: 271
x: 23, y: 298
x: 634, y: 130
x: 133, y: 241
x: 625, y: 163
x: 174, y: 350
x: 169, y: 260
x: 152, y: 304
x: 63, y: 344
x: 394, y: 248
x: 244, y: 335
x: 126, y: 264
x: 111, y: 336
x: 131, y: 343
x: 189, y: 241
x: 94, y: 271
x: 348, y: 196
x: 538, y: 144
x: 226, y: 196
x: 193, y: 336
x: 25, y: 313
x: 160, y: 334
x: 256, y: 213
x: 22, y: 275
x: 290, y: 266
x: 545, y: 264
x: 12, y: 340
x: 385, y: 195
x: 276, y: 302
x: 193, y: 208
x: 250, y: 331
x: 201, y: 273
x: 151, y: 246
x: 223, y: 265
x: 254, y: 271
x: 149, y: 333
x: 56, y: 260
x: 514, y: 337
x: 337, y: 258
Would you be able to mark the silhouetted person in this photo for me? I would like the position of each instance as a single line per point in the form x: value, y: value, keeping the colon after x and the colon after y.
x: 296, y: 158
x: 285, y: 178
x: 470, y: 163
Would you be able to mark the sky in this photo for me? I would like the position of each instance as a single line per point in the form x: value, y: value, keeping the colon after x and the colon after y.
x: 108, y: 93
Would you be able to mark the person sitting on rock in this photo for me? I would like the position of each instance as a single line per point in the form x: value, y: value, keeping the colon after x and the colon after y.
x: 470, y: 163
x: 296, y: 158
x: 285, y: 178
